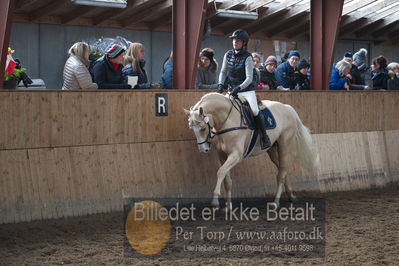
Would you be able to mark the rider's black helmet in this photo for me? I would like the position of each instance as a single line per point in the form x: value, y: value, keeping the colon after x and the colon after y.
x: 241, y: 35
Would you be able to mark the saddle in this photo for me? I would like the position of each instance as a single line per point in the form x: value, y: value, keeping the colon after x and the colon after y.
x: 247, y: 116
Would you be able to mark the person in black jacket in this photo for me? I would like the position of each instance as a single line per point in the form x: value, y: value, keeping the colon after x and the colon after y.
x: 107, y: 70
x: 379, y: 74
x: 267, y: 78
x: 286, y: 72
x: 302, y: 79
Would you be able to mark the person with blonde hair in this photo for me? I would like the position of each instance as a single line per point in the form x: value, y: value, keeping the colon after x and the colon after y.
x: 206, y: 72
x: 167, y: 75
x: 76, y: 73
x: 134, y: 66
x: 393, y: 82
x: 338, y: 75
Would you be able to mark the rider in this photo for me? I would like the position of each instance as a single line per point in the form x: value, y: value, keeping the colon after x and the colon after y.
x: 240, y: 77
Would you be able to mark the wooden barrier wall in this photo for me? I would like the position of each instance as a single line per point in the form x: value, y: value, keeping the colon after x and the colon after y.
x: 76, y: 153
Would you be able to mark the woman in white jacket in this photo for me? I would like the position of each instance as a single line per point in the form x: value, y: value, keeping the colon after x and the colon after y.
x: 76, y: 73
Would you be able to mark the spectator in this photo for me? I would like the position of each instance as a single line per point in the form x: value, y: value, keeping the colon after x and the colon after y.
x: 206, y: 72
x: 303, y: 82
x: 108, y: 69
x: 256, y: 58
x: 134, y: 66
x: 285, y: 73
x: 338, y: 75
x: 167, y: 76
x: 267, y: 77
x: 353, y: 78
x: 393, y: 82
x: 354, y: 74
x: 379, y: 74
x: 76, y: 72
x: 359, y: 60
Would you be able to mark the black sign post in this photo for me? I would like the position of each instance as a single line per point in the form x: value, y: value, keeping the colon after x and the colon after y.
x: 161, y: 104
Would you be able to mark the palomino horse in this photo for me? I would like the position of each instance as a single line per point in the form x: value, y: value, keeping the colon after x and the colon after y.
x: 215, y: 121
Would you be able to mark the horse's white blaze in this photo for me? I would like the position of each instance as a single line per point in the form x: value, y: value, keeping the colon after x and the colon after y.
x: 204, y: 147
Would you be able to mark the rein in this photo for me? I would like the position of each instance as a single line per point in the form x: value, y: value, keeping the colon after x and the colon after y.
x: 210, y: 131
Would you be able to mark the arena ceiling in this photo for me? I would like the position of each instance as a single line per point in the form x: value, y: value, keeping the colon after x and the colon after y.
x: 376, y: 20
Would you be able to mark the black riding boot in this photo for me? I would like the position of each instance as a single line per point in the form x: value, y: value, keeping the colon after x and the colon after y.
x: 265, y: 141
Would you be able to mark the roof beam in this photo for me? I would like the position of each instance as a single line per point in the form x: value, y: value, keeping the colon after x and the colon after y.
x: 230, y: 4
x: 386, y: 30
x: 162, y: 21
x: 364, y: 22
x: 355, y: 5
x: 155, y: 11
x: 360, y: 14
x: 286, y: 24
x: 133, y: 7
x: 292, y: 14
x: 26, y: 3
x: 368, y: 28
x: 43, y: 11
x: 272, y: 9
x: 76, y: 13
x: 257, y: 4
x: 374, y: 26
x: 300, y: 29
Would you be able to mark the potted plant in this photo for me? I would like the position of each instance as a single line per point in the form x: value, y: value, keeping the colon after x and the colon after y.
x: 11, y: 81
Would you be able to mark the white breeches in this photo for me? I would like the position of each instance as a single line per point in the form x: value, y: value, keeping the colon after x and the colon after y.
x: 251, y: 98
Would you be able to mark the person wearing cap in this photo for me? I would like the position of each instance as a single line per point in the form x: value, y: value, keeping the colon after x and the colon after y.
x: 267, y: 77
x: 206, y: 72
x: 239, y: 77
x: 76, y: 73
x: 359, y: 60
x: 302, y: 79
x: 353, y: 78
x: 286, y: 72
x: 107, y: 70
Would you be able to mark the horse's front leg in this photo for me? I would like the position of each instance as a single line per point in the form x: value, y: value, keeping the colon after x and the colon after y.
x: 230, y: 162
x: 228, y: 184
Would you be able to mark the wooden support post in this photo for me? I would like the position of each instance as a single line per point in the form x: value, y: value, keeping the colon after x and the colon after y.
x: 324, y: 19
x: 188, y: 25
x: 6, y: 8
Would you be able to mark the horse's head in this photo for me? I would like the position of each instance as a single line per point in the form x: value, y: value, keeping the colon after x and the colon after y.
x: 199, y: 123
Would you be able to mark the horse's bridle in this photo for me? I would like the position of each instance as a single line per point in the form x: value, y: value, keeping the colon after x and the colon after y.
x: 209, y: 137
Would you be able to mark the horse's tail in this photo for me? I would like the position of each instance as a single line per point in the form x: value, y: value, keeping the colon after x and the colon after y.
x: 304, y: 149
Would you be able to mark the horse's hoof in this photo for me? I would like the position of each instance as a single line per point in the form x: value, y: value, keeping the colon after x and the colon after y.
x: 215, y: 204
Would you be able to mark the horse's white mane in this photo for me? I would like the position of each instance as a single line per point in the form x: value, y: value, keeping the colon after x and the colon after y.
x: 195, y: 107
